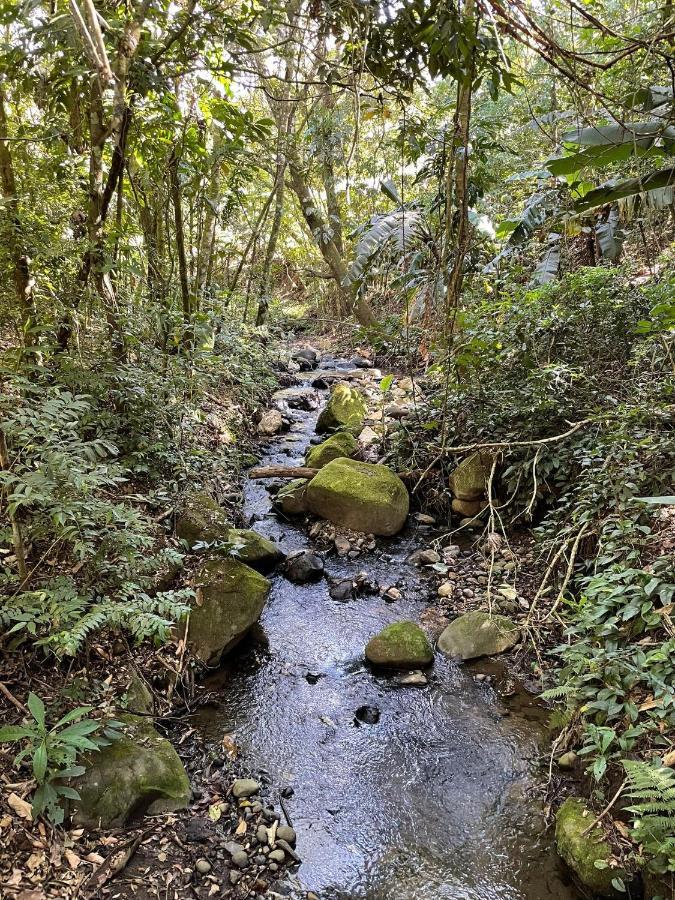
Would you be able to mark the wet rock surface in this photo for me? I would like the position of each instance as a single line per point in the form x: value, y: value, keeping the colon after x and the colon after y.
x: 435, y: 796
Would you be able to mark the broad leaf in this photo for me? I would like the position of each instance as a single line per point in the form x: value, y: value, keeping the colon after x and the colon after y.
x: 37, y: 709
x: 641, y: 133
x: 616, y: 191
x: 610, y: 236
x: 390, y: 190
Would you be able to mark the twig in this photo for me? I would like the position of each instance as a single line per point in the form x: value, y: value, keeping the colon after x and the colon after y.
x: 605, y: 810
x: 5, y: 691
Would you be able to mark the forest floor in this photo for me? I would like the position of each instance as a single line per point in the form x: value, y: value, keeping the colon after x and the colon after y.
x: 189, y: 853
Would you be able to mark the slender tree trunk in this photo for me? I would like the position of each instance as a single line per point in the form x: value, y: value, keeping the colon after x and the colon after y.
x: 176, y: 200
x: 23, y: 282
x: 208, y: 235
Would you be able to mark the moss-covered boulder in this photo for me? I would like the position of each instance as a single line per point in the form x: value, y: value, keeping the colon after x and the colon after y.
x: 366, y: 497
x: 253, y: 549
x: 140, y: 773
x: 229, y: 599
x: 469, y: 480
x: 291, y: 499
x: 200, y: 518
x: 477, y: 633
x: 346, y: 408
x: 402, y: 645
x: 581, y: 851
x: 340, y: 444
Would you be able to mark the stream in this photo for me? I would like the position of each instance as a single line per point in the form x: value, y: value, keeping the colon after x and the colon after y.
x: 438, y: 800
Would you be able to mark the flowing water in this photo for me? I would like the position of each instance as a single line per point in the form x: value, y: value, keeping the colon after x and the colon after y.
x: 440, y: 799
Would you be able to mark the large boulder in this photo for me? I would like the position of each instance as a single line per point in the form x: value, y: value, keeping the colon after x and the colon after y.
x: 346, y: 408
x: 402, y: 645
x: 340, y: 444
x: 581, y: 850
x: 200, y: 518
x: 291, y: 499
x: 362, y: 496
x: 230, y: 598
x: 477, y: 633
x: 140, y: 773
x: 469, y: 479
x: 253, y: 549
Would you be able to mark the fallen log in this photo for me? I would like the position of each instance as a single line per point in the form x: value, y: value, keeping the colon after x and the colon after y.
x: 282, y: 472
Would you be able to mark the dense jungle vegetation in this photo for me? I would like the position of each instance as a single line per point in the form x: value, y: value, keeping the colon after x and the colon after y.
x: 475, y: 194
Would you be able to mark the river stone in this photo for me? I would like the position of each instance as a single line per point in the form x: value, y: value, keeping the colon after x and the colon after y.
x: 230, y: 598
x: 469, y: 479
x: 253, y: 549
x: 245, y: 787
x: 139, y: 697
x: 361, y: 496
x: 286, y: 833
x: 291, y: 499
x: 581, y: 851
x: 476, y: 633
x: 402, y: 645
x: 346, y: 408
x: 342, y: 443
x: 304, y: 566
x: 140, y: 773
x: 270, y: 423
x: 468, y: 508
x: 200, y: 518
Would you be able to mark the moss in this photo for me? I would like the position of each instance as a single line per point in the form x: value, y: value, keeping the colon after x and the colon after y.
x: 346, y: 408
x: 366, y: 497
x: 140, y: 773
x: 402, y: 645
x: 341, y: 444
x: 469, y: 480
x: 200, y: 518
x: 254, y: 549
x: 139, y: 696
x: 291, y: 500
x: 230, y: 598
x: 477, y: 633
x: 581, y: 851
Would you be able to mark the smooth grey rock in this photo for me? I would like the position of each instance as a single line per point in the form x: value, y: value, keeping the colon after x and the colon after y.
x: 245, y: 787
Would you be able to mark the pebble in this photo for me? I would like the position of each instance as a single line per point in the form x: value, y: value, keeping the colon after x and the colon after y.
x: 413, y: 678
x: 447, y: 589
x: 245, y: 787
x: 234, y: 876
x: 259, y: 860
x: 233, y: 847
x: 342, y: 591
x: 423, y: 558
x: 273, y: 867
x: 240, y: 859
x: 261, y: 834
x: 391, y: 594
x: 567, y: 760
x: 425, y: 519
x: 286, y: 833
x: 277, y: 856
x: 203, y: 866
x: 304, y: 566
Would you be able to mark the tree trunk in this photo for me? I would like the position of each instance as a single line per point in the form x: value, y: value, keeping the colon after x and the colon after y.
x: 208, y: 235
x: 23, y: 282
x: 186, y: 297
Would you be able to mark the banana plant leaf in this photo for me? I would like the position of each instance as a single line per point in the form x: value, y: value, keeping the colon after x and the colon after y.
x: 640, y: 133
x: 597, y: 157
x: 609, y: 193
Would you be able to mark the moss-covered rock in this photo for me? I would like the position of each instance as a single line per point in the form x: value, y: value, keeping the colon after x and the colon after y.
x: 581, y: 851
x: 402, y: 645
x: 141, y: 773
x: 477, y: 633
x: 366, y: 497
x: 200, y: 518
x: 340, y: 444
x: 291, y: 499
x: 254, y: 549
x: 230, y: 598
x: 139, y: 697
x: 469, y: 480
x: 346, y: 408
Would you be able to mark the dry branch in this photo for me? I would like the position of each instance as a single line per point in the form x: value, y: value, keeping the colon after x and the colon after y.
x: 282, y: 472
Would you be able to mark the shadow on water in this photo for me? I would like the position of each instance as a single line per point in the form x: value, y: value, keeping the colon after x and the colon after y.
x: 439, y: 800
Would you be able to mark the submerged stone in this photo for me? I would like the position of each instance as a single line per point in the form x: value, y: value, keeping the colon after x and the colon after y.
x: 361, y: 496
x: 402, y: 645
x: 140, y: 773
x: 230, y: 598
x: 346, y: 408
x: 582, y: 851
x: 477, y: 633
x: 340, y: 444
x: 469, y: 479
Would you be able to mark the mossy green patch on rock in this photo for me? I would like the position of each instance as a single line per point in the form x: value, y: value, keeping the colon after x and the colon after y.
x: 346, y: 408
x: 581, y: 851
x: 230, y: 598
x: 362, y: 496
x: 291, y: 499
x: 340, y: 444
x: 140, y: 773
x: 477, y: 633
x: 254, y: 549
x: 402, y: 645
x: 200, y: 518
x: 469, y: 480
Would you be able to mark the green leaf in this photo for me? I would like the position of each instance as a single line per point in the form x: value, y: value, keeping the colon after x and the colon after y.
x: 390, y: 190
x: 639, y: 133
x: 386, y: 383
x: 609, y: 193
x: 37, y: 709
x: 40, y: 762
x: 86, y: 726
x: 618, y: 885
x: 73, y: 714
x: 9, y: 733
x: 668, y: 500
x: 64, y: 791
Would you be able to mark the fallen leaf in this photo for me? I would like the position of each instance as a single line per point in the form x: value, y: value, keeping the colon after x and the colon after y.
x: 95, y: 858
x: 215, y: 812
x: 241, y: 827
x: 230, y: 747
x: 20, y: 807
x: 650, y: 704
x: 5, y: 821
x: 668, y: 760
x: 72, y: 859
x: 161, y: 856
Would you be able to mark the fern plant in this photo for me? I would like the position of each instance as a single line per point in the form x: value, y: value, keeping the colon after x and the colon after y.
x: 653, y: 786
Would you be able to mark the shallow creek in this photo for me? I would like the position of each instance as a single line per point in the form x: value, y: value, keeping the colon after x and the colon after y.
x: 440, y: 800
